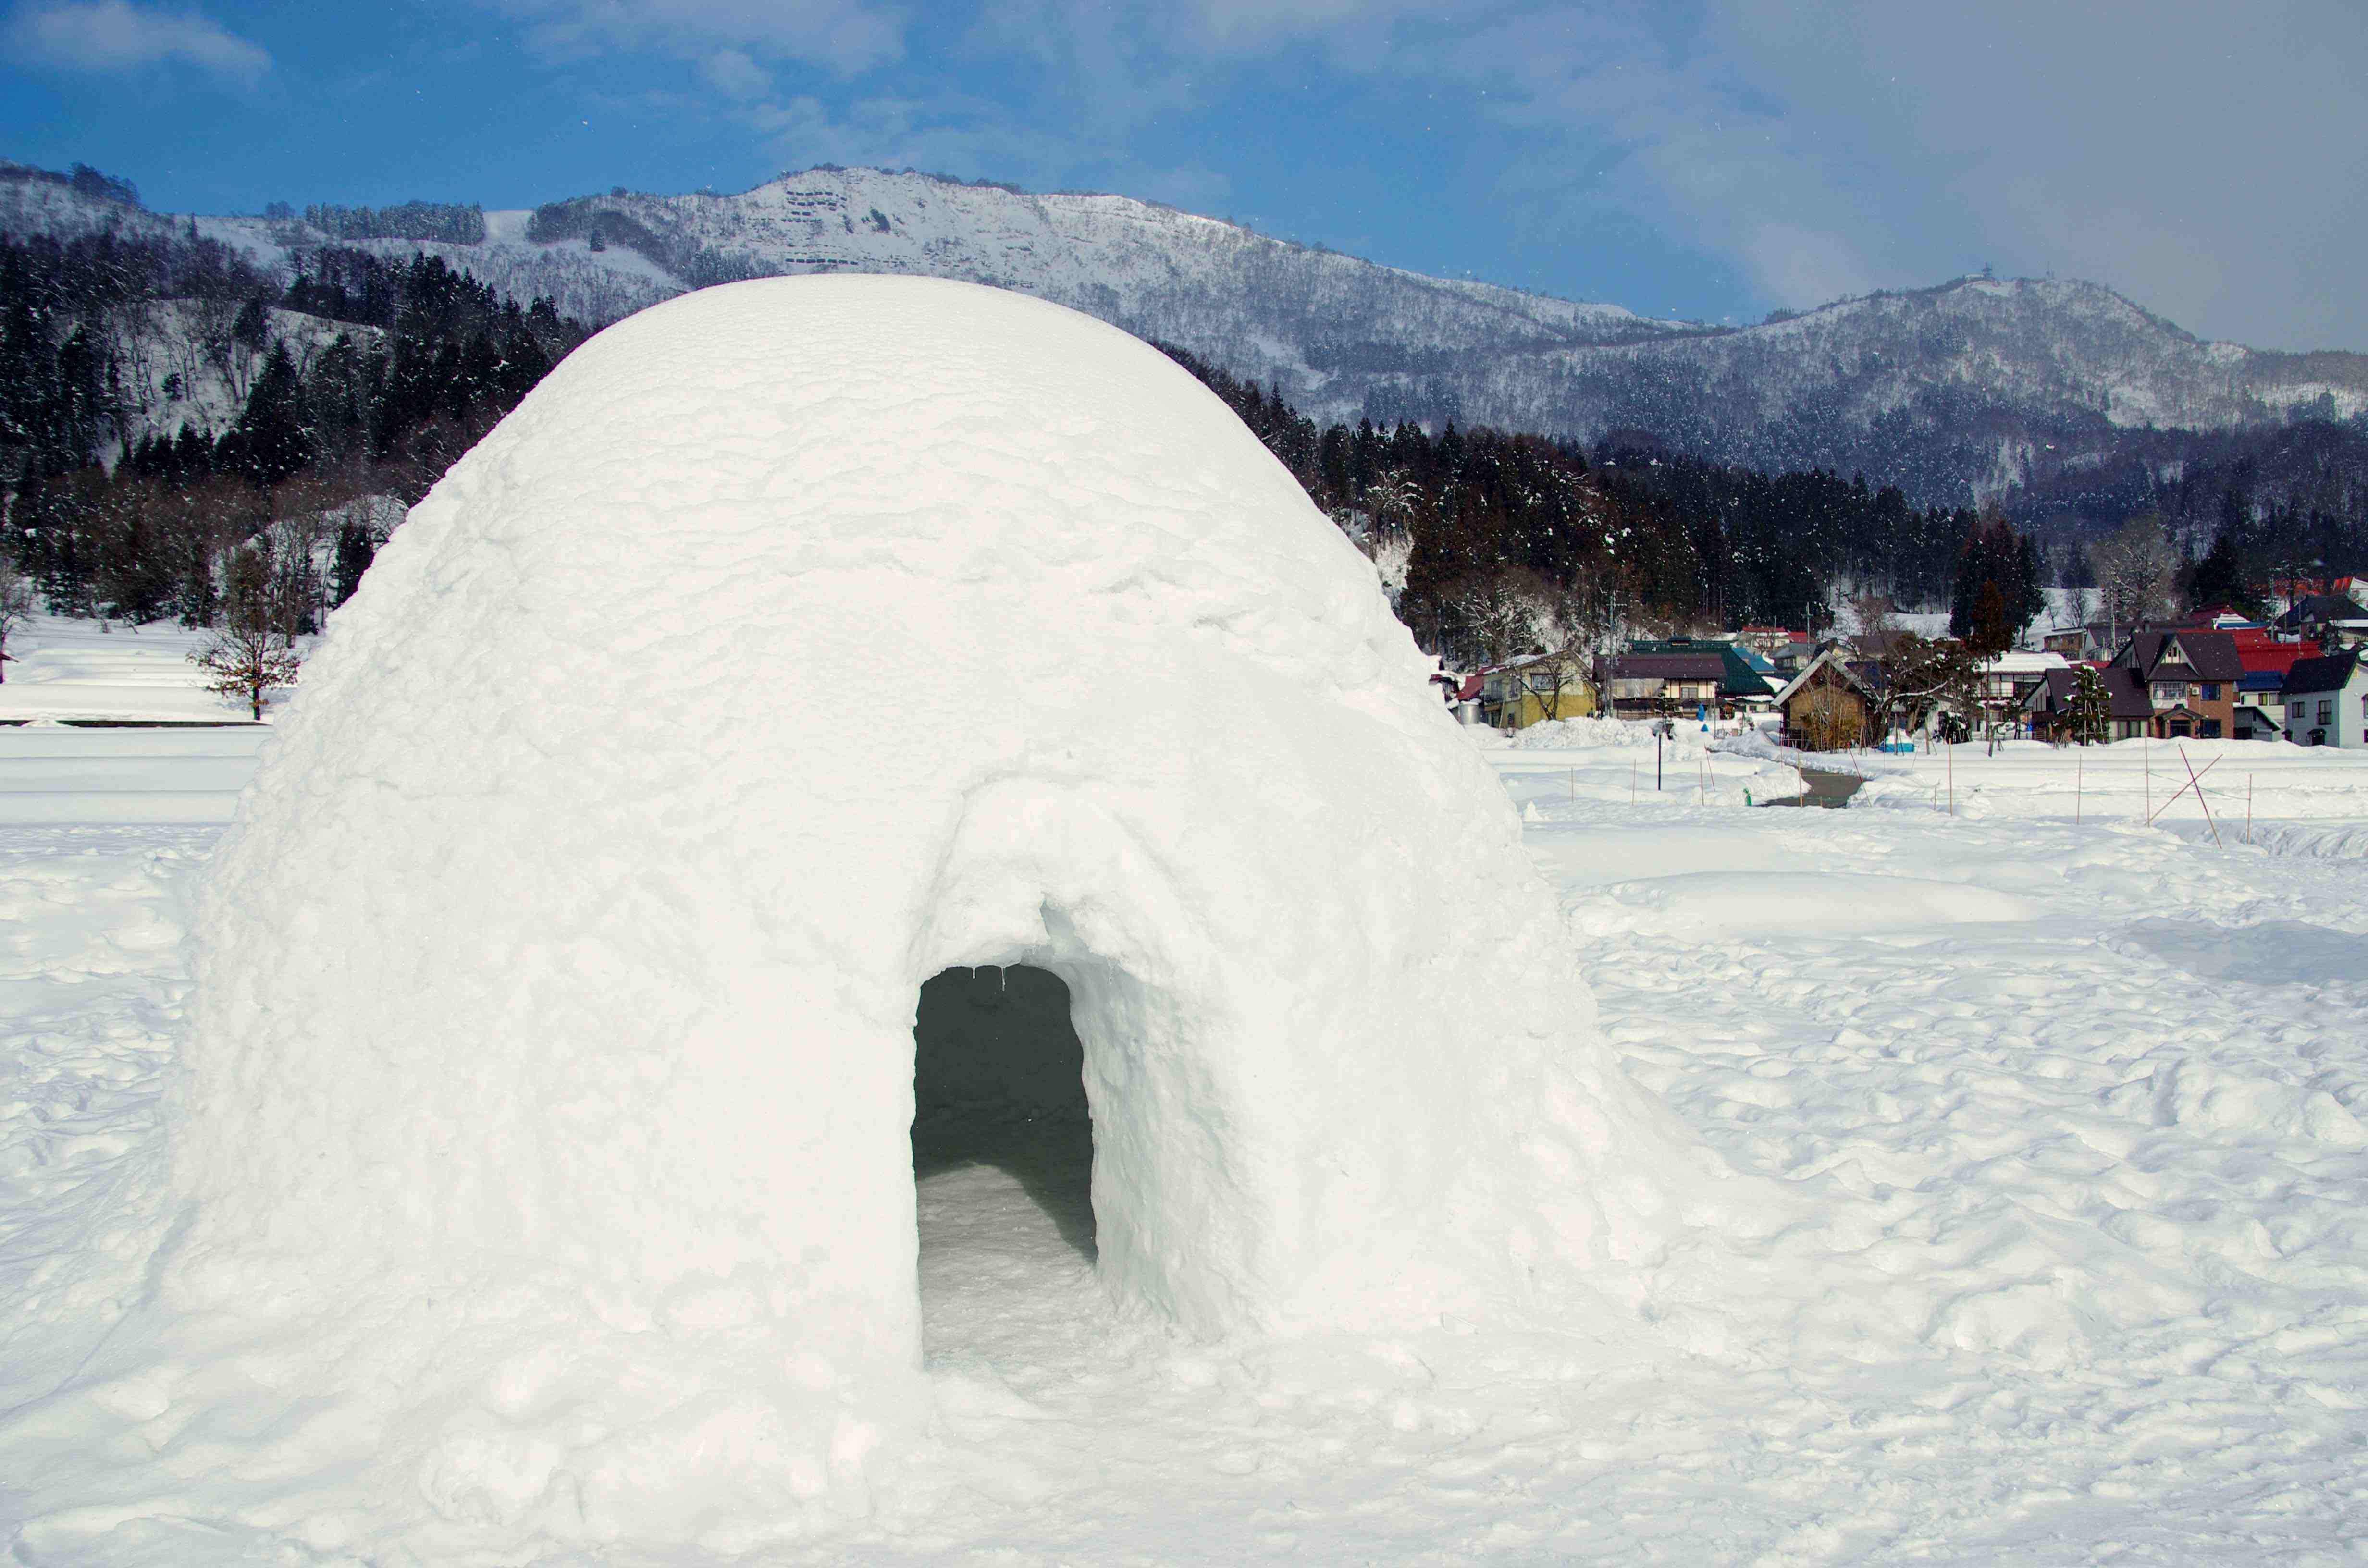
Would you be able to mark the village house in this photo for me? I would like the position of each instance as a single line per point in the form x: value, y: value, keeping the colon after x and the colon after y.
x: 1647, y: 685
x: 2047, y: 706
x: 2260, y: 700
x: 2009, y: 678
x: 2091, y: 642
x: 1768, y: 641
x: 2327, y: 700
x: 1738, y: 683
x: 2190, y: 678
x: 1535, y: 690
x: 1832, y: 704
x: 1794, y: 656
x: 2336, y: 620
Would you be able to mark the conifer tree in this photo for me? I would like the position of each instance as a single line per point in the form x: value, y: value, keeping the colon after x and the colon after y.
x: 355, y: 549
x: 2220, y: 578
x: 272, y: 440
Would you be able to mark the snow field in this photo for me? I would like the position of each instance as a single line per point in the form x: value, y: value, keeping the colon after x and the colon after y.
x: 2086, y: 1100
x: 2300, y: 795
x: 61, y: 667
x: 1614, y: 760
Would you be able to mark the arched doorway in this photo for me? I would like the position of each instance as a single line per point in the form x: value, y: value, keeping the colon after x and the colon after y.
x: 1003, y: 1141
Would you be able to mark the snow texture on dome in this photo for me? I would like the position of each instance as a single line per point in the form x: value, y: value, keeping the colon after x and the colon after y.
x: 794, y: 640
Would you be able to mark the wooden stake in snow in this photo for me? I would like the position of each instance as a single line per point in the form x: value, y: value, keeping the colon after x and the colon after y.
x: 2196, y: 782
x: 2199, y: 797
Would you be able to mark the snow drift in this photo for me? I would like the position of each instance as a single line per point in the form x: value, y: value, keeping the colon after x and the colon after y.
x: 546, y: 1112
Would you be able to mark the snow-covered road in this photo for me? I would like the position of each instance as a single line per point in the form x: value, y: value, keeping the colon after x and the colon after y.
x: 2075, y: 1116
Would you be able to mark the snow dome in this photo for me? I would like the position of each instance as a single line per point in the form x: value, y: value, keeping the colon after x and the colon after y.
x: 794, y: 642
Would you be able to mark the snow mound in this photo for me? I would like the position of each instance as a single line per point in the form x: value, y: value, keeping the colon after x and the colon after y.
x: 545, y: 1117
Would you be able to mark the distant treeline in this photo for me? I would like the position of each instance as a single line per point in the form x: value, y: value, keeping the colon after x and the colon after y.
x: 81, y: 179
x: 447, y: 223
x: 1505, y: 532
x: 141, y: 527
x: 1505, y: 538
x: 2289, y: 499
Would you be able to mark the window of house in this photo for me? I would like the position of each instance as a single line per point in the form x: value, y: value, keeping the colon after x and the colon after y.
x: 2211, y: 729
x: 2211, y: 692
x: 2170, y: 690
x: 2293, y: 709
x: 2327, y: 710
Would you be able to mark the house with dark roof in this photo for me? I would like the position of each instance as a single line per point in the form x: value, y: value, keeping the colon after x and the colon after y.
x: 2089, y: 641
x: 1681, y: 674
x: 1833, y: 703
x: 2190, y: 678
x: 2130, y: 712
x: 1738, y: 681
x: 1643, y: 685
x: 2327, y: 700
x: 2336, y: 619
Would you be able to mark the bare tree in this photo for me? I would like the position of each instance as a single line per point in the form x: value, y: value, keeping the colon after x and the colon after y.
x: 16, y: 608
x: 1551, y: 680
x: 1873, y: 613
x: 252, y: 653
x: 1830, y: 719
x: 1921, y: 676
x: 2136, y: 569
x: 1393, y: 498
x: 1503, y: 610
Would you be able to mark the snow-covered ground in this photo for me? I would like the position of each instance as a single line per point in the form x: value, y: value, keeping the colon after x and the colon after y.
x: 2081, y: 1273
x: 1618, y: 760
x: 2301, y: 800
x: 64, y: 668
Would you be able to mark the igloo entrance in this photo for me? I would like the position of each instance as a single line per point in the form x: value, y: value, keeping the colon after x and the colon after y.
x: 1002, y: 1141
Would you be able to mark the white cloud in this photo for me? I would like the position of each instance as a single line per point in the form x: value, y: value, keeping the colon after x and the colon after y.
x: 2210, y: 161
x: 111, y: 35
x: 842, y: 35
x: 732, y: 73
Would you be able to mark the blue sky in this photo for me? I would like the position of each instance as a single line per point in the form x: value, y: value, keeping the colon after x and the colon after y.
x: 1712, y: 159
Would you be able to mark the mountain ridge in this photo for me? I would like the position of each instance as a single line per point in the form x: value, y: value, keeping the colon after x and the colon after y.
x: 1975, y: 386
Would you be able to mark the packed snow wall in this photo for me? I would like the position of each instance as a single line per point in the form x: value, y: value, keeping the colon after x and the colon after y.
x: 793, y: 642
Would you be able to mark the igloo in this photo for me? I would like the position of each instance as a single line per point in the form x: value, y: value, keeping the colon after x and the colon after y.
x: 796, y: 641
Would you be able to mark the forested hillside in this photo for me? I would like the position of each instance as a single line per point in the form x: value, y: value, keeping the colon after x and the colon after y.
x: 1972, y: 389
x: 350, y: 390
x: 164, y: 397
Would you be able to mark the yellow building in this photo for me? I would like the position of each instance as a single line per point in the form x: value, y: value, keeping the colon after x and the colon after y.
x: 1531, y: 691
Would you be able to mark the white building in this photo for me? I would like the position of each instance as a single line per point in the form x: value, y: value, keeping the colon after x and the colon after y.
x: 2326, y: 702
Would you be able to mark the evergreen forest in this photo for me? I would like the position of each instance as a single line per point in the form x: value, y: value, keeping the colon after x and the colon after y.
x: 358, y: 378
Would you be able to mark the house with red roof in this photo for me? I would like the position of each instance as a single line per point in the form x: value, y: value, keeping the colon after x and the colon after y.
x: 2260, y: 702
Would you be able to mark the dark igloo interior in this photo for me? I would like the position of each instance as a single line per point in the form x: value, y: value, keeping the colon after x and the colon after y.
x: 1002, y: 1141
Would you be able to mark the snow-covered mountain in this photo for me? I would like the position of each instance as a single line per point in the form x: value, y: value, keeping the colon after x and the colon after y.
x: 1977, y: 383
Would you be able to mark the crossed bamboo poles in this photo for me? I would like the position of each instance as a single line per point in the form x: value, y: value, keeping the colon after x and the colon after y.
x: 2194, y: 782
